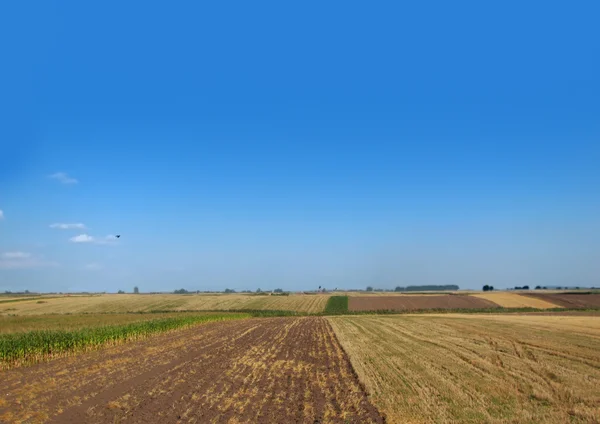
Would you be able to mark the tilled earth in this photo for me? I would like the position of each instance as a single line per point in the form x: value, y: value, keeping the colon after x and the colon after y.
x: 415, y: 302
x: 278, y: 370
x: 568, y: 300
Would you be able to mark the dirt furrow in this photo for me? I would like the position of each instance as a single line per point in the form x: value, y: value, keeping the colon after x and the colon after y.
x: 257, y: 370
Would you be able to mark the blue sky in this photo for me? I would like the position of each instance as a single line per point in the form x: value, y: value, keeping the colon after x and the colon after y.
x: 270, y: 144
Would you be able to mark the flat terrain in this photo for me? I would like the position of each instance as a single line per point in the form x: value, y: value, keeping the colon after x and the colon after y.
x: 283, y: 370
x: 415, y: 302
x: 477, y: 368
x: 514, y: 300
x: 569, y: 300
x: 164, y: 302
x: 23, y: 323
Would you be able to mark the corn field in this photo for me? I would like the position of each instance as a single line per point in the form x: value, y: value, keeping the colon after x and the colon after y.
x: 35, y: 346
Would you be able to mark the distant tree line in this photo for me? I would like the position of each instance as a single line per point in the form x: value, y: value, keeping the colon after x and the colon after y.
x: 488, y: 288
x: 417, y: 288
x: 427, y: 288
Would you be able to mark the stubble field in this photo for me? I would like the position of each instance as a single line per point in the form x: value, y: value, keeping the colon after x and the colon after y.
x: 253, y: 370
x: 515, y: 300
x: 106, y: 366
x: 476, y: 368
x: 119, y: 303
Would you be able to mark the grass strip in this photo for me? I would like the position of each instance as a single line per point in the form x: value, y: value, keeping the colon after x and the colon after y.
x: 336, y: 305
x: 35, y: 346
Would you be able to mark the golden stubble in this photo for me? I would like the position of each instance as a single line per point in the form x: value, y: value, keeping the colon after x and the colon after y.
x: 118, y: 303
x: 515, y: 300
x: 474, y: 368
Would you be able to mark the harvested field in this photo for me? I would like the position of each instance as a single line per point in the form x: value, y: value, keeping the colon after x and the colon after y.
x: 23, y: 323
x: 477, y: 368
x: 389, y: 293
x: 165, y: 302
x: 569, y: 300
x: 254, y: 370
x: 407, y: 303
x: 514, y: 300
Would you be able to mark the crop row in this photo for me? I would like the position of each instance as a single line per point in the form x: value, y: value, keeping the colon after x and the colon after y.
x: 35, y: 346
x: 336, y: 305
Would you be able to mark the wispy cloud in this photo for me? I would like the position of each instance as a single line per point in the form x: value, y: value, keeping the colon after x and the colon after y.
x: 16, y: 255
x: 85, y: 238
x: 63, y: 178
x: 1, y: 214
x: 82, y: 238
x: 16, y: 260
x: 94, y: 266
x: 78, y: 226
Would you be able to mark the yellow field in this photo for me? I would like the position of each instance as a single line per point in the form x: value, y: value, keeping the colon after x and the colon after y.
x: 514, y: 300
x: 366, y: 294
x: 164, y: 302
x: 477, y: 368
x: 23, y: 323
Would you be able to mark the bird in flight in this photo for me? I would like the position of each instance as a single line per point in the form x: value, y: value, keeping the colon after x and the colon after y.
x: 118, y: 236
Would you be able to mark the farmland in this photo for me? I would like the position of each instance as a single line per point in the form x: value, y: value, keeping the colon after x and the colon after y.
x: 20, y: 348
x: 477, y: 368
x: 569, y: 300
x: 253, y: 370
x: 514, y: 300
x: 118, y: 358
x: 24, y: 323
x: 414, y: 302
x: 117, y: 303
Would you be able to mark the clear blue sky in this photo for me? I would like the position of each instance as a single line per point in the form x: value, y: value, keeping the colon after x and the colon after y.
x: 292, y: 145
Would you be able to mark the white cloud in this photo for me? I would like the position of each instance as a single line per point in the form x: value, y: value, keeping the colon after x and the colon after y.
x: 82, y: 238
x: 16, y: 255
x: 93, y: 266
x: 78, y: 226
x: 1, y: 214
x: 63, y: 178
x: 20, y: 260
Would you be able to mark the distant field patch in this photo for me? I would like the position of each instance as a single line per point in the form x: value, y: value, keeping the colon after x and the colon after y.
x: 477, y: 368
x: 24, y: 323
x: 514, y: 300
x: 568, y: 300
x: 415, y: 302
x: 337, y: 305
x: 111, y: 303
x: 20, y: 348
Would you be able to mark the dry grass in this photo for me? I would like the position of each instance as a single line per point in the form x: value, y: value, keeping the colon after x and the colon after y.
x: 514, y: 300
x: 390, y: 293
x: 474, y: 368
x: 165, y: 302
x: 24, y: 323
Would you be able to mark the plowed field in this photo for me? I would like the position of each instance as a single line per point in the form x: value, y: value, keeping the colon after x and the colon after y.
x: 375, y: 303
x: 286, y: 370
x: 569, y: 300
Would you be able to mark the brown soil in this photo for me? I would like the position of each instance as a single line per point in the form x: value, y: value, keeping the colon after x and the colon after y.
x: 569, y: 300
x: 407, y: 303
x: 290, y: 370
